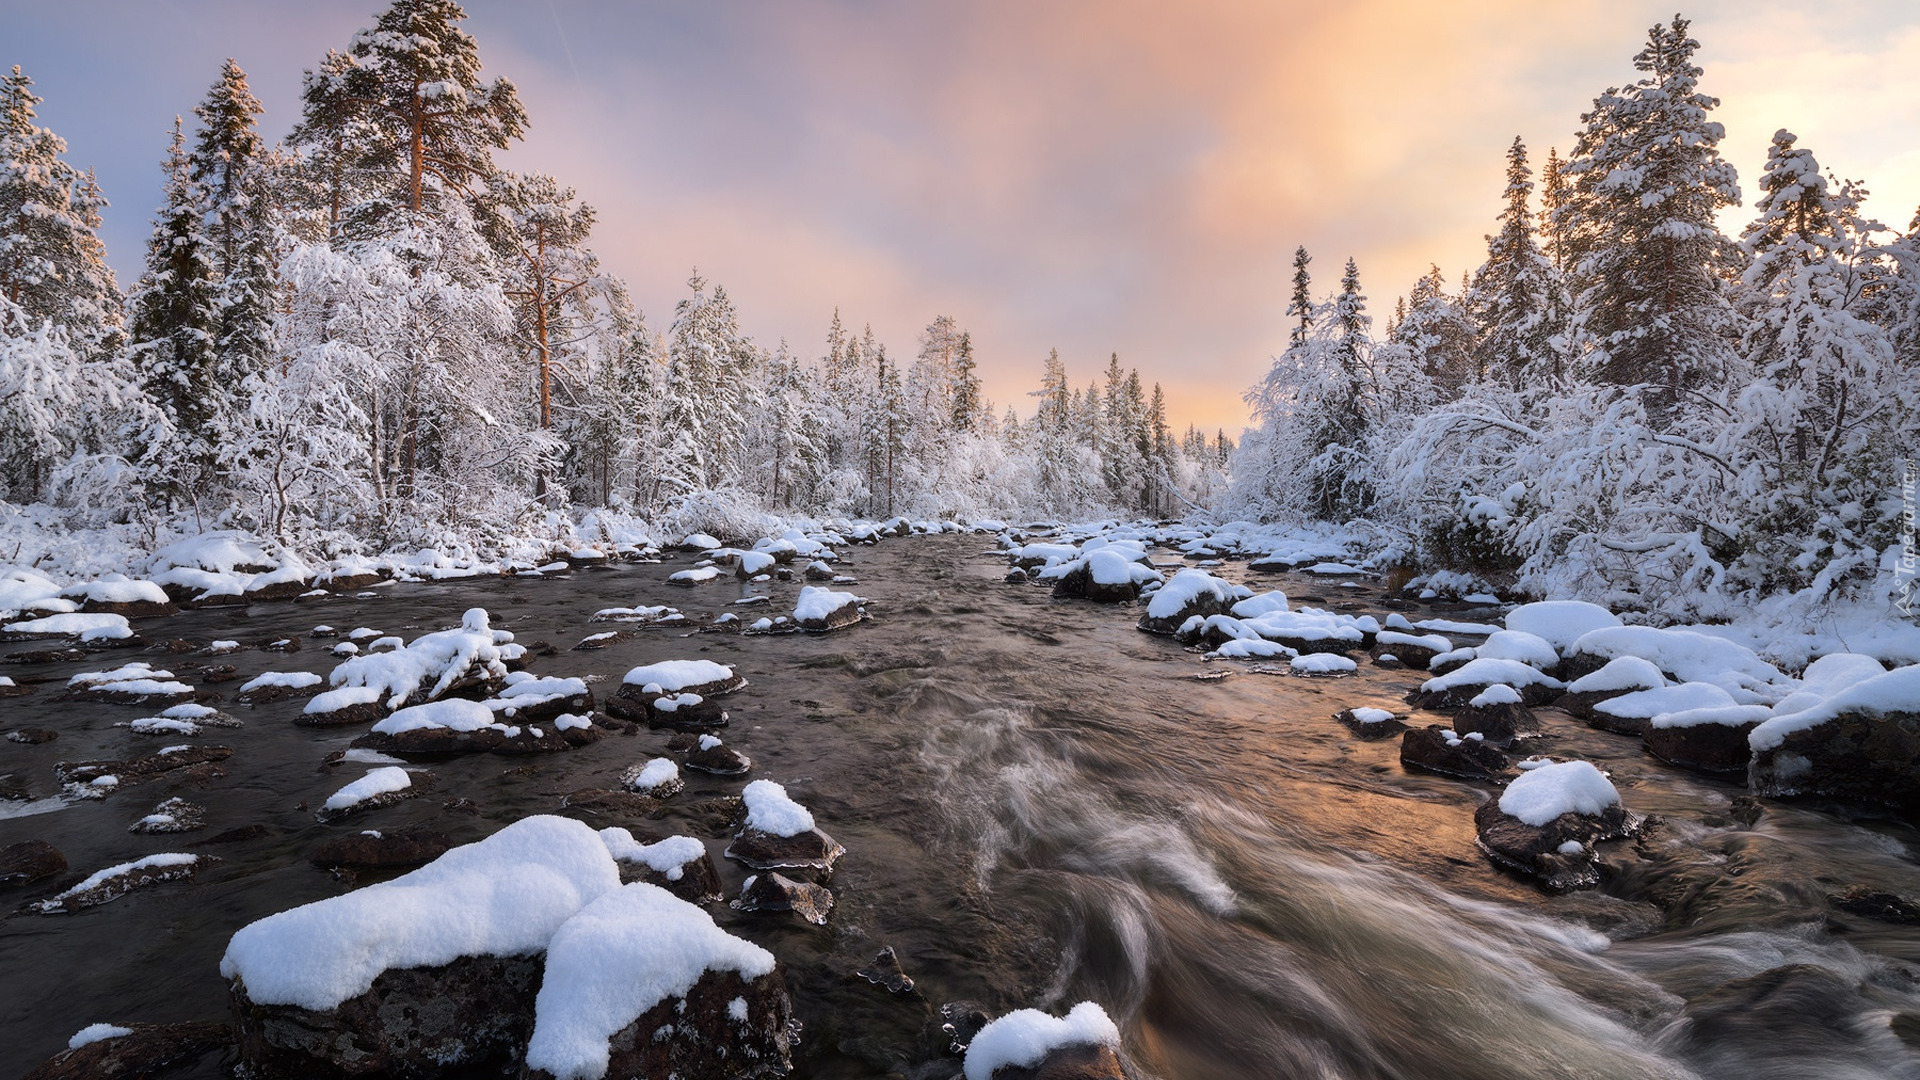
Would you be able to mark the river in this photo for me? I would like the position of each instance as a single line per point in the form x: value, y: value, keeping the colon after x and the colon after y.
x: 1040, y: 805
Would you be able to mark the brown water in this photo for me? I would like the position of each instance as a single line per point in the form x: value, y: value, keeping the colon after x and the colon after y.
x: 1040, y: 805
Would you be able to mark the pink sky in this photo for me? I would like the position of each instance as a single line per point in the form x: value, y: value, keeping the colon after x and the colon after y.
x: 1097, y: 176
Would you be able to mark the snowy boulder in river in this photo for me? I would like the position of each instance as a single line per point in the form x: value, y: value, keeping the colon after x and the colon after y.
x: 1560, y: 623
x: 1109, y: 575
x: 434, y: 970
x: 1860, y: 745
x: 641, y: 983
x: 770, y: 891
x: 1708, y: 740
x: 678, y: 864
x: 675, y: 694
x: 118, y: 595
x: 1545, y: 824
x: 1623, y: 675
x: 1683, y: 656
x: 821, y: 609
x: 1028, y: 1044
x: 780, y: 834
x: 1461, y: 685
x: 1414, y: 650
x: 1190, y: 593
x: 433, y: 665
x: 1632, y: 714
x: 110, y: 1052
x: 1498, y: 715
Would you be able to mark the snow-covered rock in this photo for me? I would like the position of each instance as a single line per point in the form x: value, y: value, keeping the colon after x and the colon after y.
x: 1684, y: 656
x: 638, y: 961
x: 1028, y: 1039
x: 1631, y: 713
x: 1442, y: 750
x: 87, y: 629
x: 1547, y: 821
x: 1560, y: 623
x: 432, y: 665
x: 780, y: 834
x: 820, y: 609
x: 1192, y: 593
x: 1859, y: 745
x: 1463, y: 684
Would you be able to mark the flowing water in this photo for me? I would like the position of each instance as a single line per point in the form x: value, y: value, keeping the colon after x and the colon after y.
x: 1042, y: 805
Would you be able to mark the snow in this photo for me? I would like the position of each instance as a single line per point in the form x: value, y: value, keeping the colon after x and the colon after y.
x: 1530, y: 649
x: 698, y: 575
x: 1560, y: 622
x: 23, y: 587
x: 116, y: 589
x: 151, y: 862
x: 818, y: 602
x: 296, y: 680
x: 430, y: 664
x: 1435, y: 642
x: 99, y: 627
x: 1251, y: 649
x: 345, y: 697
x: 137, y: 671
x: 653, y: 774
x: 506, y: 895
x: 1478, y: 672
x: 619, y: 956
x: 1451, y: 626
x: 1896, y: 691
x: 94, y: 1033
x: 1692, y: 657
x: 1258, y: 604
x: 1024, y: 1037
x: 1106, y: 567
x: 770, y: 811
x: 1188, y: 585
x: 1728, y: 715
x: 700, y: 541
x: 1496, y: 694
x: 160, y: 725
x: 1622, y: 673
x: 1321, y: 664
x: 380, y: 781
x: 668, y: 856
x: 454, y: 714
x: 1539, y: 795
x: 669, y: 676
x: 1647, y: 704
x: 1367, y: 715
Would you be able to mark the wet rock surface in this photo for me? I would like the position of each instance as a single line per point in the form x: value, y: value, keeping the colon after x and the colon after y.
x: 1718, y: 749
x: 381, y: 849
x: 725, y: 1028
x: 811, y: 850
x: 1498, y: 724
x: 29, y: 861
x: 148, y: 1050
x: 1559, y: 855
x: 1861, y: 760
x: 772, y: 892
x: 1429, y: 748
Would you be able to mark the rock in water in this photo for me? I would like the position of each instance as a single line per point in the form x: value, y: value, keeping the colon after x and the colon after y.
x: 1498, y: 722
x: 1860, y: 746
x: 1371, y: 723
x: 1545, y: 825
x: 1440, y: 750
x: 777, y: 892
x: 885, y: 971
x: 1712, y: 741
x: 381, y: 850
x: 29, y: 861
x: 145, y: 1050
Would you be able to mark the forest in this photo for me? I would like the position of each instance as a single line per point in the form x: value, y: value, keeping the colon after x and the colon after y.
x: 372, y: 337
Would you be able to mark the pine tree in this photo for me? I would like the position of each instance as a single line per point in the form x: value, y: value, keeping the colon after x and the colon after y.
x: 175, y: 325
x: 52, y: 264
x: 1511, y: 298
x: 1553, y: 196
x: 1300, y: 303
x: 1648, y: 260
x: 405, y: 105
x: 967, y: 405
x: 228, y: 166
x: 1437, y: 334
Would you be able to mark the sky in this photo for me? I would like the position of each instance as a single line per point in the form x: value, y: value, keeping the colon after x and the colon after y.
x: 1096, y: 176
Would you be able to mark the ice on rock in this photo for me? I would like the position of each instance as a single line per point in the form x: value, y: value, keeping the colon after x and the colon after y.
x: 621, y: 955
x: 770, y: 810
x: 503, y: 896
x: 1540, y: 794
x: 1022, y: 1039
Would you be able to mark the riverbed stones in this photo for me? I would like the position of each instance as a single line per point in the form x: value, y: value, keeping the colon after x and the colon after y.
x: 1499, y: 723
x: 133, y: 770
x: 117, y: 881
x: 381, y: 849
x: 448, y: 742
x: 1856, y: 758
x: 1718, y: 749
x: 776, y: 892
x: 175, y: 815
x: 810, y: 850
x: 718, y: 759
x: 1369, y: 723
x: 885, y: 972
x: 29, y: 861
x: 1559, y: 856
x: 344, y: 707
x: 413, y: 1022
x: 146, y: 1050
x: 32, y: 736
x: 1439, y: 749
x: 1079, y: 583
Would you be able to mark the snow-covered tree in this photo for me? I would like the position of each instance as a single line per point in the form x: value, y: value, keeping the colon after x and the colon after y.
x: 1649, y: 264
x: 1436, y: 334
x: 174, y: 334
x: 1512, y: 299
x: 231, y: 170
x: 52, y: 263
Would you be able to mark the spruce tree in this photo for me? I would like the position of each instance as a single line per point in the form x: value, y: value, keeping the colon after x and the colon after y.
x: 1437, y: 335
x: 1646, y: 179
x: 1300, y: 303
x: 52, y: 264
x: 966, y: 386
x: 228, y: 166
x: 175, y: 325
x: 1512, y: 292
